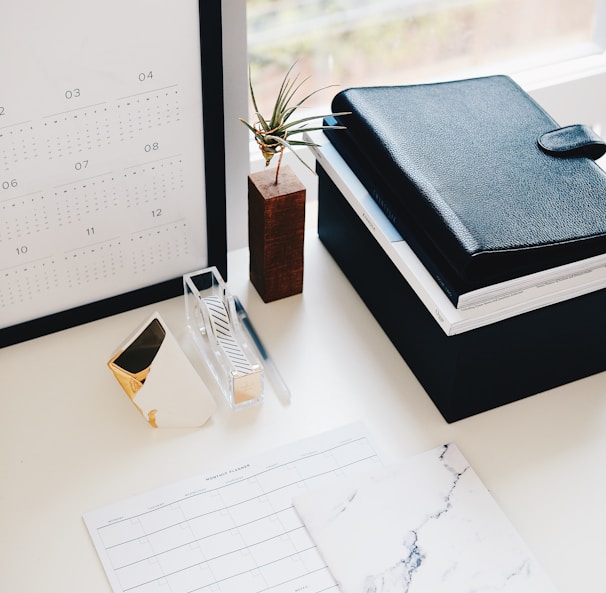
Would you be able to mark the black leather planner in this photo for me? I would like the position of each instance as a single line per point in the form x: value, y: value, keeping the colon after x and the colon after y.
x: 479, y: 179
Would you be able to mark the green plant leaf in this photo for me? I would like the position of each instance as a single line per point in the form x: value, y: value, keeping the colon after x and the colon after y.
x: 275, y: 135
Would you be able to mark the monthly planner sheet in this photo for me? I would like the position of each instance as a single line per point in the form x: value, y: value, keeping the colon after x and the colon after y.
x: 234, y: 530
x: 101, y: 151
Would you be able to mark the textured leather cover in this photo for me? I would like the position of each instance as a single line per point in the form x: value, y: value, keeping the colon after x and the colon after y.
x: 460, y: 164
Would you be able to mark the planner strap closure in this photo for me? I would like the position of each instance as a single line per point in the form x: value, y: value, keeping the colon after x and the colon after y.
x: 573, y: 141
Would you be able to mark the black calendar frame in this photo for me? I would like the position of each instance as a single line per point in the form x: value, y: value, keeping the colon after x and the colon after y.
x: 213, y: 116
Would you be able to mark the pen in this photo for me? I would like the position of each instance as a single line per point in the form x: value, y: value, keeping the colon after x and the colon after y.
x: 278, y: 383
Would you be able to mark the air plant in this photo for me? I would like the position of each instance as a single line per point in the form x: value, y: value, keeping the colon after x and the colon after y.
x: 275, y: 134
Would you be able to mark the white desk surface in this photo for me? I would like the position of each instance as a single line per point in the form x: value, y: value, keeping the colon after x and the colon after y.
x: 71, y: 441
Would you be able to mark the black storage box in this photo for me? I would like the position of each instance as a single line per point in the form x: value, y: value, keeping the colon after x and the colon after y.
x: 477, y: 370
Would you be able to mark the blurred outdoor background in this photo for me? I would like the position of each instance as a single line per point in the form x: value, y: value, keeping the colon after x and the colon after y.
x: 368, y: 42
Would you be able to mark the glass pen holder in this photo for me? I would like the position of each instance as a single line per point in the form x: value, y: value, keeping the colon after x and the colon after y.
x: 221, y: 339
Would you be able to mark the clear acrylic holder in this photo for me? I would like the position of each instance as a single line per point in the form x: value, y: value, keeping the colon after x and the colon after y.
x: 224, y: 343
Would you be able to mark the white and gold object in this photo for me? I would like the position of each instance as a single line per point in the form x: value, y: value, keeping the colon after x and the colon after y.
x: 159, y: 379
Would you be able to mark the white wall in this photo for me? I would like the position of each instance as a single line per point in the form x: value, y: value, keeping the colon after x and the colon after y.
x: 237, y: 160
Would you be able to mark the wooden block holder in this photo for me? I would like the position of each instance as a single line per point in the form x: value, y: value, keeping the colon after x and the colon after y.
x: 276, y: 225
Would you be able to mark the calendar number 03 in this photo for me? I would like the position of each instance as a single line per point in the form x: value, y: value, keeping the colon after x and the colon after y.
x: 72, y: 93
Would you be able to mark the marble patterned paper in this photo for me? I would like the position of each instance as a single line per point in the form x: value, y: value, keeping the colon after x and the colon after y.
x: 426, y: 525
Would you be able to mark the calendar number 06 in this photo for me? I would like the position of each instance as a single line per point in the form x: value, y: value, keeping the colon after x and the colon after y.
x: 9, y: 184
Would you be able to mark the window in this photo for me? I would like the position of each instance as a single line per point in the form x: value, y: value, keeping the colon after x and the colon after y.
x: 553, y: 48
x: 366, y: 42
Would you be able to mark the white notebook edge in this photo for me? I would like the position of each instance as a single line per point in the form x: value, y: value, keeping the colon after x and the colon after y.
x: 533, y: 292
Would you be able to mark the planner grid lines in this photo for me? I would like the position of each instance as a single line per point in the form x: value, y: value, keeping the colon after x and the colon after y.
x: 225, y: 534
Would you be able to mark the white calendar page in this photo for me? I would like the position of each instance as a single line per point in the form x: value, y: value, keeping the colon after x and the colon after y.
x: 101, y: 151
x: 230, y: 531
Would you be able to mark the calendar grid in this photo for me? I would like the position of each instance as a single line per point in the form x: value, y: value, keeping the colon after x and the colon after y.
x: 76, y: 213
x: 229, y: 532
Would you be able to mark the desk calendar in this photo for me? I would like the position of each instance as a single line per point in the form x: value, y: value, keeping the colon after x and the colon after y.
x: 234, y: 530
x: 111, y: 157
